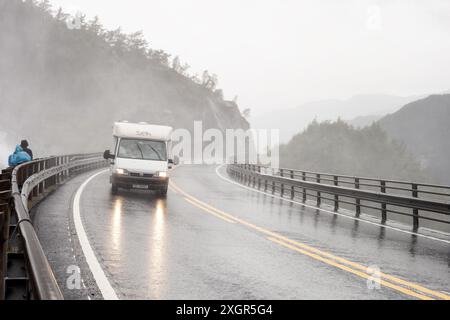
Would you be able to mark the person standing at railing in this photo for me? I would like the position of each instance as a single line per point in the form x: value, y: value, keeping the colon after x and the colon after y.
x: 19, y: 156
x: 24, y: 144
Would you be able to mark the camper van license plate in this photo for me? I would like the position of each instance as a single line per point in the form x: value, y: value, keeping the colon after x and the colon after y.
x: 140, y: 186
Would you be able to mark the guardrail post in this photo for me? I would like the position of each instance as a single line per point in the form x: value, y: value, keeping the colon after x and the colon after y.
x: 53, y: 179
x: 357, y: 201
x: 252, y: 175
x: 319, y: 195
x: 4, y: 235
x: 66, y: 173
x: 20, y: 178
x: 265, y: 185
x: 35, y: 189
x: 282, y: 185
x: 44, y: 167
x: 383, y: 205
x: 5, y: 214
x: 336, y: 197
x: 292, y: 187
x: 40, y: 185
x: 273, y: 187
x: 69, y: 171
x: 415, y: 194
x: 58, y: 176
x: 304, y: 189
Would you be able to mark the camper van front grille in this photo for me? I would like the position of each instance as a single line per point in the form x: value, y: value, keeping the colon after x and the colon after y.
x: 145, y: 175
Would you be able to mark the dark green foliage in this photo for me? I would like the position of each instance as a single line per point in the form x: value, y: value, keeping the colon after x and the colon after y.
x: 336, y: 147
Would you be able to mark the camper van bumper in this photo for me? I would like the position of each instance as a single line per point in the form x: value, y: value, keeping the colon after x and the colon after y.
x: 129, y: 182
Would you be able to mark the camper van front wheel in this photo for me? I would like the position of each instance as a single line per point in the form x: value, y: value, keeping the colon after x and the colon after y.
x: 163, y: 191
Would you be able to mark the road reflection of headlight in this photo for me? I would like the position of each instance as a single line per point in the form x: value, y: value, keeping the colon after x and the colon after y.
x: 116, y: 223
x: 160, y: 210
x: 158, y: 245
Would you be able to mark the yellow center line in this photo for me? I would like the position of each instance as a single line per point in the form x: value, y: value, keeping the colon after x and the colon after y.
x: 348, y: 269
x: 173, y: 189
x: 209, y: 211
x: 301, y: 247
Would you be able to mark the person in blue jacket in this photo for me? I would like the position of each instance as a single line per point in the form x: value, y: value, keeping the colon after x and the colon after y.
x: 19, y: 156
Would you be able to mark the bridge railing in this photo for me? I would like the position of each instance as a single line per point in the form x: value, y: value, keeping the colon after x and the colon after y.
x: 416, y: 201
x: 25, y: 272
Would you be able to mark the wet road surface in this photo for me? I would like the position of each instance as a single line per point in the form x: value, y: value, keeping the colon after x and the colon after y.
x: 211, y: 239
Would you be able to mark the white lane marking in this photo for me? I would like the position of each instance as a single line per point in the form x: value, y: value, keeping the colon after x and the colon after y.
x: 324, y: 210
x: 99, y: 275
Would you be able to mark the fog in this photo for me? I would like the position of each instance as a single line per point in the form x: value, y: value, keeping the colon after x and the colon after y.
x: 63, y: 87
x: 63, y: 82
x: 281, y: 54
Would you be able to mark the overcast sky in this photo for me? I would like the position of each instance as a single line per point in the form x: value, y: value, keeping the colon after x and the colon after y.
x: 282, y: 53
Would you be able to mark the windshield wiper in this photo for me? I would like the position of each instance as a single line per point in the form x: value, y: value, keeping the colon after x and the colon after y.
x: 157, y: 153
x: 140, y: 150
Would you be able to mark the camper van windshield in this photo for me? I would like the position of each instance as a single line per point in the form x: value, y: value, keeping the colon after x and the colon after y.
x: 142, y: 149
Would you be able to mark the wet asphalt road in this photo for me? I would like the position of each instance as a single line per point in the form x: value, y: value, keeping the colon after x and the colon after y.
x: 190, y: 246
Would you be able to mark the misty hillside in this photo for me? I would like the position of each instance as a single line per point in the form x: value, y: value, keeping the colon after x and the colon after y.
x: 364, y: 121
x: 337, y: 147
x: 424, y: 127
x: 62, y: 88
x: 293, y: 121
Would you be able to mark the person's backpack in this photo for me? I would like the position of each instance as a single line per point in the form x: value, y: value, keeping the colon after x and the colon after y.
x: 18, y: 157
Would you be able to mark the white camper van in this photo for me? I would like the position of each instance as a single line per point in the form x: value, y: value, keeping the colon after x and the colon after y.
x: 141, y: 157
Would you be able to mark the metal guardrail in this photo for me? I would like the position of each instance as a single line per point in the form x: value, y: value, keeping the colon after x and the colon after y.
x: 297, y: 184
x: 25, y: 272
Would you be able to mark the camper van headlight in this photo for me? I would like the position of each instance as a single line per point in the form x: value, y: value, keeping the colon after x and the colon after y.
x: 162, y: 174
x: 121, y: 171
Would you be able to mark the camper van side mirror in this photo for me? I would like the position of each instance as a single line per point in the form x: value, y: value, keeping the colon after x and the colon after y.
x: 170, y: 161
x: 107, y: 155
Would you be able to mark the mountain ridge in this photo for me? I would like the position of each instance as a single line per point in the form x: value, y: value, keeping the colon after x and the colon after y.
x: 293, y: 120
x: 424, y: 127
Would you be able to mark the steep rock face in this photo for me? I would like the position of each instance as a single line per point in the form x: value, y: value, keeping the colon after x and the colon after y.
x: 62, y: 89
x: 424, y: 127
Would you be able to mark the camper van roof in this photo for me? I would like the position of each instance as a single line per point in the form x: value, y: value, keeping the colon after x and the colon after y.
x: 142, y: 131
